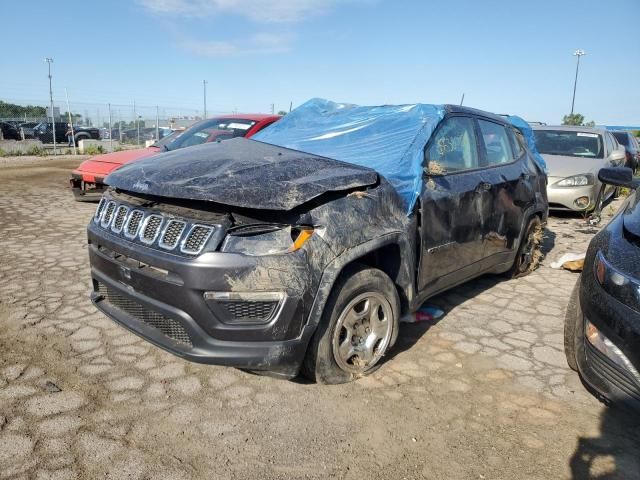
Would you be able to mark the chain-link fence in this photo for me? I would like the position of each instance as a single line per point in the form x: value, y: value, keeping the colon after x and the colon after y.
x: 132, y: 124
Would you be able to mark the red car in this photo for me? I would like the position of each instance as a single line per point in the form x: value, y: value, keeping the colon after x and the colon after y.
x: 87, y: 179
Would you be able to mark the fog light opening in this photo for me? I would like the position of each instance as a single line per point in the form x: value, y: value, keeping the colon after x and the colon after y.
x: 582, y: 202
x: 605, y: 346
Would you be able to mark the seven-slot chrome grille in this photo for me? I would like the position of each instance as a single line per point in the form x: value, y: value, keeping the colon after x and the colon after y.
x: 152, y: 228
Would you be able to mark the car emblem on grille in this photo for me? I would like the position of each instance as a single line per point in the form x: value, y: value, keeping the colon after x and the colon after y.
x: 140, y: 185
x: 126, y: 273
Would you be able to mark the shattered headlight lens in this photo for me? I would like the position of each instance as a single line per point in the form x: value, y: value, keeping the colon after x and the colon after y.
x: 576, y: 181
x: 266, y: 239
x: 617, y: 284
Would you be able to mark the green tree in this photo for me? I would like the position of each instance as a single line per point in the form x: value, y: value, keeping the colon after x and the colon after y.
x: 577, y: 119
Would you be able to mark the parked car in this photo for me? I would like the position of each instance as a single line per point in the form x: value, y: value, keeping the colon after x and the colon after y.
x: 631, y: 147
x: 602, y: 324
x: 574, y: 155
x: 27, y: 129
x: 87, y: 181
x: 44, y: 132
x: 302, y: 249
x: 9, y: 132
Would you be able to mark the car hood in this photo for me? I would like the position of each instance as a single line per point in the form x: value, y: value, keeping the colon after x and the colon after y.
x: 242, y: 173
x: 125, y: 156
x: 565, y: 166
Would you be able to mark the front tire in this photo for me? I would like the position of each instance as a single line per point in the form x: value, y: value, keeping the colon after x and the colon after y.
x: 358, y: 325
x: 529, y: 254
x: 572, y: 320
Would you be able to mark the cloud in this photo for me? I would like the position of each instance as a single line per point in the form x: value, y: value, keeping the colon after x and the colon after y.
x: 262, y: 11
x: 260, y: 43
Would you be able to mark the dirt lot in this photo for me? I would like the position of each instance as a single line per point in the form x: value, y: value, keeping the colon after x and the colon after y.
x: 484, y: 393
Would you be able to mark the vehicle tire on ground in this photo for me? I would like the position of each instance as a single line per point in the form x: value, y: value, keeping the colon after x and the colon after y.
x: 529, y: 253
x: 358, y: 324
x: 81, y: 137
x: 572, y: 320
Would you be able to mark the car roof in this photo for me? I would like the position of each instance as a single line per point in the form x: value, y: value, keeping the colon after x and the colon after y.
x: 257, y: 117
x: 571, y: 128
x: 475, y: 111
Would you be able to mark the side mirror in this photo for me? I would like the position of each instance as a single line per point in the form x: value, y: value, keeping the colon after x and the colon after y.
x: 617, y: 176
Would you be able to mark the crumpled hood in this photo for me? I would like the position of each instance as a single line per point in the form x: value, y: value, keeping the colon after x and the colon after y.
x: 242, y: 173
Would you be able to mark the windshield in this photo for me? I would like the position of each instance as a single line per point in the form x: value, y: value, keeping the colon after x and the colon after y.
x: 168, y: 138
x: 211, y: 130
x: 569, y: 143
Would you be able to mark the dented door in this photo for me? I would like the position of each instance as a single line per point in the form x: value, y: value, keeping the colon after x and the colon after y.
x: 454, y: 199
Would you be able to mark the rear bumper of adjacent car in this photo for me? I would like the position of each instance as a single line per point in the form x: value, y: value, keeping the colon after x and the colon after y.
x: 84, y: 190
x: 620, y: 324
x: 564, y: 198
x: 179, y: 305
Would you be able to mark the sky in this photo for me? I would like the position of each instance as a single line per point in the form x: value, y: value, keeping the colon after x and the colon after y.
x: 511, y: 57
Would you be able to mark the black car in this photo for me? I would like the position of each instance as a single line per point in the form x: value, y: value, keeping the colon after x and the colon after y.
x: 9, y: 131
x: 262, y: 257
x: 602, y: 325
x: 44, y: 132
x: 631, y: 147
x: 28, y: 128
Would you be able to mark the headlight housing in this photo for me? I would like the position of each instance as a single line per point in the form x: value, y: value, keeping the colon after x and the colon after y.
x: 617, y: 284
x: 609, y: 349
x: 266, y: 239
x: 576, y: 181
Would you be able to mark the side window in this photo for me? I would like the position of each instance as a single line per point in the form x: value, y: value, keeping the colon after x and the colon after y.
x: 496, y: 142
x: 453, y: 148
x: 517, y: 143
x: 609, y: 143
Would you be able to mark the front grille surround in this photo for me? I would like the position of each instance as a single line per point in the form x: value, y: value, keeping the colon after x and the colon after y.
x: 169, y: 327
x: 171, y: 234
x: 150, y: 229
x: 133, y: 223
x: 107, y: 216
x: 153, y: 228
x: 196, y: 239
x: 119, y: 218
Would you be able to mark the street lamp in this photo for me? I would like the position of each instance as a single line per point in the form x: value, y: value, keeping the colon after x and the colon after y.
x: 577, y: 53
x: 53, y: 118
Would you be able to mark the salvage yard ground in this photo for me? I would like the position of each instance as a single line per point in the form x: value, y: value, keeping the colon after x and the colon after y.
x: 485, y: 393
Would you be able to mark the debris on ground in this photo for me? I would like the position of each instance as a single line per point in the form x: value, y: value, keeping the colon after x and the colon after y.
x: 51, y: 387
x: 426, y: 313
x: 570, y: 259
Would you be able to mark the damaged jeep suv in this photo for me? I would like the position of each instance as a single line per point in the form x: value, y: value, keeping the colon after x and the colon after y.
x: 300, y: 249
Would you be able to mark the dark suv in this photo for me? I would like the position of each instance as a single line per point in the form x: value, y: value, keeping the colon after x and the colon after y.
x: 250, y: 254
x: 44, y: 132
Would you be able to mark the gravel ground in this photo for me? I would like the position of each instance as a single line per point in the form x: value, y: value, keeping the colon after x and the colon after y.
x: 484, y: 393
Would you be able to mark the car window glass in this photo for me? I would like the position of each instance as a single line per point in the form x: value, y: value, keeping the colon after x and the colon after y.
x: 517, y: 143
x: 496, y: 142
x: 622, y: 137
x: 453, y: 147
x: 569, y: 143
x: 609, y: 142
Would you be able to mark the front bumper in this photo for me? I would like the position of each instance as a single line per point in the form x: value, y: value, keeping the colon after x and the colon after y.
x: 563, y: 198
x: 620, y: 324
x: 160, y: 296
x: 85, y: 190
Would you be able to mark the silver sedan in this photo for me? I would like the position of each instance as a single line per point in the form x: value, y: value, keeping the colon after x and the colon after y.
x: 574, y: 155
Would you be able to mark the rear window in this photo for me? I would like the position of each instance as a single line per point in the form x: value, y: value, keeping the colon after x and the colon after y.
x: 569, y: 143
x: 622, y: 138
x: 496, y: 142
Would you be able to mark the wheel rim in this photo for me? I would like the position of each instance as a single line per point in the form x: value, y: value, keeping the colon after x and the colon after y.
x: 362, y: 332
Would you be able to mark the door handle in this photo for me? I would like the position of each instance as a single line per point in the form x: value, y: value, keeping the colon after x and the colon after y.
x: 483, y: 187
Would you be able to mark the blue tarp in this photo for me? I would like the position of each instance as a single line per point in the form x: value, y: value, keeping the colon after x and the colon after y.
x: 389, y: 139
x: 527, y: 132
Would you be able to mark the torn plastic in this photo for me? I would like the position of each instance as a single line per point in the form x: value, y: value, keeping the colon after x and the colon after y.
x: 425, y: 313
x: 527, y: 133
x: 389, y: 139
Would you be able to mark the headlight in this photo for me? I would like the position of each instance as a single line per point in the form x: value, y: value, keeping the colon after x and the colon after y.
x: 576, y: 181
x: 608, y: 348
x: 256, y: 240
x: 620, y: 286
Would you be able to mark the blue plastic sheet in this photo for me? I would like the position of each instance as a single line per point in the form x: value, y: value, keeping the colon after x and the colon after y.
x: 389, y: 139
x: 527, y: 132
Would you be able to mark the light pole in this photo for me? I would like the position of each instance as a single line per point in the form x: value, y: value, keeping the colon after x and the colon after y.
x: 577, y: 53
x: 204, y: 87
x: 53, y: 118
